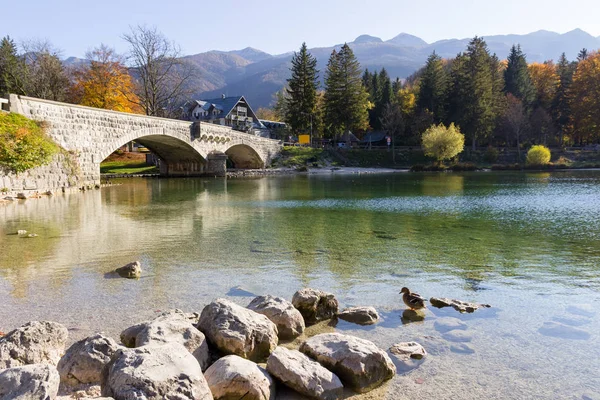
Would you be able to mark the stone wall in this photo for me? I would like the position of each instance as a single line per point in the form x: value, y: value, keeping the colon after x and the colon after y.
x: 92, y: 134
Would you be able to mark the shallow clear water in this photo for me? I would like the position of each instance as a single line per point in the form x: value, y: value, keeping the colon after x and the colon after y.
x: 527, y: 243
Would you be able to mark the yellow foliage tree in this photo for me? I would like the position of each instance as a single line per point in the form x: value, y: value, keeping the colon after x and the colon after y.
x: 585, y: 100
x: 104, y: 82
x: 443, y: 143
x: 546, y: 80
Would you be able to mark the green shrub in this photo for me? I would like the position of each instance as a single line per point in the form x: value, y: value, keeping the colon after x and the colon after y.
x: 538, y: 155
x: 23, y: 143
x: 491, y: 155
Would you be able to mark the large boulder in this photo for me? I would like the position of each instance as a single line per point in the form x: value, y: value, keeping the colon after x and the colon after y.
x: 304, y: 375
x: 29, y: 382
x: 83, y: 362
x: 154, y: 372
x: 360, y: 315
x: 289, y: 321
x: 315, y: 305
x: 236, y: 330
x: 233, y: 377
x: 33, y: 343
x: 175, y: 327
x: 359, y: 363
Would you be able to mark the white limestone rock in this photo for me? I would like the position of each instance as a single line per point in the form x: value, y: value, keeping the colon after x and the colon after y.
x: 289, y: 321
x: 315, y: 305
x: 130, y: 271
x: 359, y: 363
x: 233, y: 377
x: 154, y: 373
x: 33, y: 343
x: 29, y: 382
x: 304, y: 375
x: 233, y: 329
x: 360, y: 315
x: 175, y: 327
x: 84, y: 360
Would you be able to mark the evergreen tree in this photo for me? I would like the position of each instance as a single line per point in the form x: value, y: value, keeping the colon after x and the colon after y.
x: 583, y: 55
x: 386, y: 88
x: 302, y: 91
x: 12, y: 68
x: 517, y: 80
x: 346, y: 100
x: 561, y: 109
x: 433, y: 90
x: 472, y: 95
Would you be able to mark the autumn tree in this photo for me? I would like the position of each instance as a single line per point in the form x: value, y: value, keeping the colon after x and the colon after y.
x: 585, y: 99
x: 161, y: 76
x: 302, y: 91
x: 346, y: 101
x: 104, y: 82
x: 515, y: 122
x: 443, y: 143
x: 545, y: 81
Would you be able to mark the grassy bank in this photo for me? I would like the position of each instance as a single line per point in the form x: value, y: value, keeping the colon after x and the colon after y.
x: 469, y: 160
x: 127, y: 163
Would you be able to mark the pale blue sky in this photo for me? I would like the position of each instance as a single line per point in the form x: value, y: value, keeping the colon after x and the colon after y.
x: 75, y: 26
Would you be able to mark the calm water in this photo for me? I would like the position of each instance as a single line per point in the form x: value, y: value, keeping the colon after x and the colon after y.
x: 529, y: 244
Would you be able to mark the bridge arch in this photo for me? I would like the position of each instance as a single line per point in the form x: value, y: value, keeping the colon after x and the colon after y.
x: 175, y: 153
x: 244, y: 156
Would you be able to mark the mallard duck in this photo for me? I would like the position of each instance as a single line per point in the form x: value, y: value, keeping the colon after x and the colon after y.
x: 413, y: 300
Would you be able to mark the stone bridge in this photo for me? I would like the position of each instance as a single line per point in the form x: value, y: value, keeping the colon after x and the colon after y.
x: 184, y: 148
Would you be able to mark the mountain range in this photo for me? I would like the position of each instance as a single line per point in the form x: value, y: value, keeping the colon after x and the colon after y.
x: 258, y: 75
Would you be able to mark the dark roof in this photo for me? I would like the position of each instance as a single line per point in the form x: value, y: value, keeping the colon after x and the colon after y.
x: 350, y: 135
x: 225, y: 104
x: 375, y: 136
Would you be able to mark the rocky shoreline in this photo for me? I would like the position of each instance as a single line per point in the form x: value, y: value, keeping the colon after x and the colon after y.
x: 227, y: 351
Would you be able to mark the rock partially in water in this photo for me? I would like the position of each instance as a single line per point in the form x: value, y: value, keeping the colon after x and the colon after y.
x: 408, y: 350
x: 21, y: 196
x: 155, y: 373
x: 21, y: 232
x: 408, y: 355
x: 457, y: 336
x: 446, y: 324
x: 289, y: 321
x: 304, y: 375
x: 175, y: 327
x: 29, y: 382
x: 236, y: 330
x: 458, y: 305
x: 233, y: 377
x: 132, y: 270
x: 359, y: 363
x: 462, y: 348
x: 360, y: 315
x: 410, y: 316
x: 83, y: 362
x: 33, y: 343
x: 558, y: 330
x: 315, y: 305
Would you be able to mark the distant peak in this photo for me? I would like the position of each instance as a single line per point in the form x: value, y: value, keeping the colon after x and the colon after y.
x: 367, y: 39
x: 406, y: 39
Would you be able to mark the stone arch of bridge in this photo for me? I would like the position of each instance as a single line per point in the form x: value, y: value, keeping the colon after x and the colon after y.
x: 244, y: 156
x: 177, y: 155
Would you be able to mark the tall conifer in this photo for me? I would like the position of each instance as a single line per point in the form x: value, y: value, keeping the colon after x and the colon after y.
x: 302, y: 91
x: 517, y: 80
x: 433, y: 90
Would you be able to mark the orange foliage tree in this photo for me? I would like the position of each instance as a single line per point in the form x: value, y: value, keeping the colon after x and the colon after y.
x: 585, y: 100
x: 546, y: 80
x: 104, y: 82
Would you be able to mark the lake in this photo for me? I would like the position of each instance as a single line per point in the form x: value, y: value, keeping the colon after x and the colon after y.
x: 526, y: 243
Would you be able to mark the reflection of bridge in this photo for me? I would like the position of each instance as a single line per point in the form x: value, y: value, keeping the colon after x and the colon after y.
x: 184, y: 148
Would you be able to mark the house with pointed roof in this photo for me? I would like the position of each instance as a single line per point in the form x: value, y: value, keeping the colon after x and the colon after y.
x: 233, y: 111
